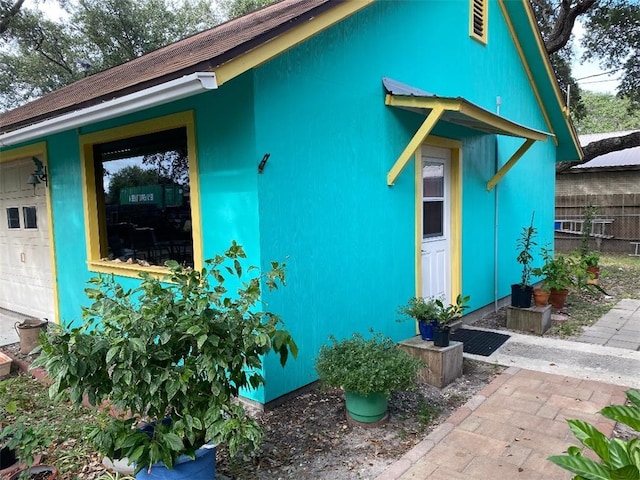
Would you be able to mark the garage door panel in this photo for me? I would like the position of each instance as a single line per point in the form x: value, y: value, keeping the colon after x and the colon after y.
x: 26, y: 284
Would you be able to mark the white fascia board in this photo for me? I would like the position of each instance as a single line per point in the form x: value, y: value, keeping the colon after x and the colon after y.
x: 150, y: 97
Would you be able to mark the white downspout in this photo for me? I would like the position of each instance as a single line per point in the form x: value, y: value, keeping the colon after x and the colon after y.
x: 495, y: 224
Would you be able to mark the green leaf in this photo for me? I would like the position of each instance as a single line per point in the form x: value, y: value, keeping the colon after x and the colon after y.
x: 629, y: 415
x: 582, y: 466
x: 634, y: 396
x: 173, y: 441
x: 112, y: 352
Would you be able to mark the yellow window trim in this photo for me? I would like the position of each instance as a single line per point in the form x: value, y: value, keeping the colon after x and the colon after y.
x: 40, y: 150
x: 438, y: 109
x: 287, y: 40
x: 92, y: 214
x: 455, y: 215
x: 479, y: 8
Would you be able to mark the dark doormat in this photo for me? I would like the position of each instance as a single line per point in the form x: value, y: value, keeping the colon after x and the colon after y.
x: 479, y: 342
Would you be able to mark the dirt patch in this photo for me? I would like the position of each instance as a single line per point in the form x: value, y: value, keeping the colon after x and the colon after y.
x: 309, y: 436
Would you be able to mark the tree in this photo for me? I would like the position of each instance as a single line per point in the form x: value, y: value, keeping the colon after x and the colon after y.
x: 38, y: 56
x: 131, y: 176
x: 614, y: 35
x: 237, y: 8
x: 9, y: 9
x: 607, y: 113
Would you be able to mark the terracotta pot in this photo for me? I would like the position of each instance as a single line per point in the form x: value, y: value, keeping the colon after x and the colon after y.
x: 593, y: 273
x: 557, y: 298
x: 541, y: 297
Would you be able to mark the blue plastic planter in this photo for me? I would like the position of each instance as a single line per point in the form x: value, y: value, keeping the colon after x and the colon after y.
x: 426, y: 329
x: 202, y: 468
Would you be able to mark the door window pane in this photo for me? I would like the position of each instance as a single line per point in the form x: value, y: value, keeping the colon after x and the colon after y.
x: 433, y: 180
x: 29, y: 216
x: 432, y: 219
x: 13, y: 217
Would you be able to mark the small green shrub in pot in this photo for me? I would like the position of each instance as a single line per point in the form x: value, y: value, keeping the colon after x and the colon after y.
x: 370, y: 368
x: 172, y: 354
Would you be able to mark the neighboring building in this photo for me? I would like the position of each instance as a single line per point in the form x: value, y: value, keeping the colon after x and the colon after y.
x: 611, y: 184
x: 305, y: 132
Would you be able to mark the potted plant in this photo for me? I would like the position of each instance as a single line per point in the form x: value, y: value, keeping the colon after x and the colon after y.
x: 447, y: 314
x: 27, y: 443
x: 172, y: 358
x: 521, y: 292
x: 591, y: 262
x: 368, y: 370
x: 424, y: 312
x: 559, y: 273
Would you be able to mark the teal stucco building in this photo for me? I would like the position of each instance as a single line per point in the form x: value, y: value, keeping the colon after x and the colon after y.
x: 384, y: 149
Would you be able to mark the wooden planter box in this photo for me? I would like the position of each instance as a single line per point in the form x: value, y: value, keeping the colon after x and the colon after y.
x: 444, y: 364
x: 5, y: 365
x: 534, y: 320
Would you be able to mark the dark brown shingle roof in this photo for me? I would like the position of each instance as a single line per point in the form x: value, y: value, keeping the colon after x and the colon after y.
x: 200, y: 52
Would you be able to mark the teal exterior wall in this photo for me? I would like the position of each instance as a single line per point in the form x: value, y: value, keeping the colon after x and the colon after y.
x: 322, y: 204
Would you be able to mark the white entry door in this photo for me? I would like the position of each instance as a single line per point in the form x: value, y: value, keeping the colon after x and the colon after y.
x: 26, y: 284
x: 436, y: 223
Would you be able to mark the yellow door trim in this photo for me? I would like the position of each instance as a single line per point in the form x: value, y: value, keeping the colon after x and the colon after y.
x: 455, y: 192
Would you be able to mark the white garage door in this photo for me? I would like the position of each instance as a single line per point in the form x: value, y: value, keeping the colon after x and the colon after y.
x: 25, y: 263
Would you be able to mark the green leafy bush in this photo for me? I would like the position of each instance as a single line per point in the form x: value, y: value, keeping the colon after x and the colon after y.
x: 619, y: 459
x: 366, y: 366
x: 173, y: 354
x: 420, y: 309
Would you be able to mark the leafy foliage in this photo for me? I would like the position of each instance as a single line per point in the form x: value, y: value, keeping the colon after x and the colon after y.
x: 38, y: 56
x: 614, y: 39
x: 559, y: 272
x: 619, y: 459
x: 448, y: 313
x: 420, y: 309
x: 366, y: 366
x: 524, y: 245
x: 27, y: 440
x: 179, y: 351
x: 607, y: 113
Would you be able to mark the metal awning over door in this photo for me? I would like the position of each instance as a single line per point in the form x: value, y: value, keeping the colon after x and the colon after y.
x: 458, y: 111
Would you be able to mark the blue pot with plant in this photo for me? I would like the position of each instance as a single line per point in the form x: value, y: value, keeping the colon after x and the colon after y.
x: 177, y: 347
x: 423, y: 311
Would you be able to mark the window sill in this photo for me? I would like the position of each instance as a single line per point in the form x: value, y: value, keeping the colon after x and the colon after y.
x: 124, y: 269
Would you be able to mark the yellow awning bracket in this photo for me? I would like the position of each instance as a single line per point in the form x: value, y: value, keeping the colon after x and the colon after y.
x: 457, y: 111
x: 510, y: 163
x: 414, y: 143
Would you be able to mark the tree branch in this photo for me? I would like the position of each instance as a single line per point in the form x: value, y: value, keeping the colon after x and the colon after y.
x: 5, y: 18
x: 600, y: 147
x: 567, y: 15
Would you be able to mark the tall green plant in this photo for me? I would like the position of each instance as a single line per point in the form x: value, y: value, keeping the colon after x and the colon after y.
x: 175, y: 354
x: 524, y: 246
x: 618, y: 459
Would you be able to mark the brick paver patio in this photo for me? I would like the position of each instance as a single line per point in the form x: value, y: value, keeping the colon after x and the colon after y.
x: 508, y: 430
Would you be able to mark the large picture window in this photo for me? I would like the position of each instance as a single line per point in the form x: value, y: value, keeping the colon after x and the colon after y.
x: 143, y: 195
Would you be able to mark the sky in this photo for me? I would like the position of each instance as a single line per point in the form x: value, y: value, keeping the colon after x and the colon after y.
x: 584, y: 73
